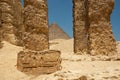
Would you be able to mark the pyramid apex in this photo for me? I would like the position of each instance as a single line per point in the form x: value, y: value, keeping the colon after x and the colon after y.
x: 53, y: 23
x: 56, y: 32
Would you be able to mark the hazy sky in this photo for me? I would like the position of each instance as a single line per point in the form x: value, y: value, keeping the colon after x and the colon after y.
x: 60, y: 12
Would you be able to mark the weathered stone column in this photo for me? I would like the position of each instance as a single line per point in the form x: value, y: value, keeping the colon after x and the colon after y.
x: 10, y: 19
x: 36, y: 57
x: 18, y: 19
x: 7, y: 20
x: 100, y: 33
x: 80, y: 26
x: 36, y: 24
x: 0, y: 27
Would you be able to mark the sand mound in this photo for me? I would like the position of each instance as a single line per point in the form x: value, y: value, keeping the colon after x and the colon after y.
x: 118, y: 46
x: 65, y: 46
x: 73, y: 66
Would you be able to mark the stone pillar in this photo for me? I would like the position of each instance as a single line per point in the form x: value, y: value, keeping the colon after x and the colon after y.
x: 100, y: 33
x: 80, y: 26
x: 92, y: 27
x: 18, y: 19
x: 10, y: 19
x: 0, y: 27
x: 36, y: 58
x: 36, y: 24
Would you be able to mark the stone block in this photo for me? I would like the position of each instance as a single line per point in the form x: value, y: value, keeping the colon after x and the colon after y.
x: 41, y: 62
x: 36, y: 42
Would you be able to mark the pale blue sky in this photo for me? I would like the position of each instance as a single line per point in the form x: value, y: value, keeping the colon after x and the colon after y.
x: 60, y: 12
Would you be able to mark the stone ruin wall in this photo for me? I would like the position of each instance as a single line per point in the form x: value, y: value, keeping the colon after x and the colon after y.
x: 19, y: 25
x: 7, y: 20
x: 11, y: 19
x: 79, y: 26
x: 36, y: 58
x: 100, y: 32
x: 92, y: 28
x: 92, y: 31
x: 0, y: 29
x: 92, y: 22
x: 36, y: 24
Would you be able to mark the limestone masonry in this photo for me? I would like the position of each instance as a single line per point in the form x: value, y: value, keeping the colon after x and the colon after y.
x: 28, y: 27
x: 100, y: 32
x: 79, y: 26
x: 43, y: 62
x: 36, y: 58
x: 0, y: 28
x: 92, y: 27
x: 11, y: 19
x: 36, y: 23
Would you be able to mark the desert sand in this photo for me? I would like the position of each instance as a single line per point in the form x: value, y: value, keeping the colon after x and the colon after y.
x: 73, y: 66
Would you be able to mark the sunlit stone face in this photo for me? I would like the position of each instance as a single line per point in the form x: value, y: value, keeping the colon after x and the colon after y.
x: 39, y: 0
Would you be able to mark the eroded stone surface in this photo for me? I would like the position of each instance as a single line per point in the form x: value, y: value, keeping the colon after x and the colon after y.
x: 100, y: 32
x: 39, y: 62
x: 92, y: 28
x: 36, y: 58
x: 36, y: 23
x: 36, y: 42
x: 80, y: 28
x: 0, y: 29
x: 19, y: 26
x: 11, y: 19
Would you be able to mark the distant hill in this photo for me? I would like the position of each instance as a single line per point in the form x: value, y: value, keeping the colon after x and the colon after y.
x: 55, y: 32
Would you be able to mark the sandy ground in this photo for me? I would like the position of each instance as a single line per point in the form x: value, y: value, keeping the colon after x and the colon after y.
x: 73, y: 66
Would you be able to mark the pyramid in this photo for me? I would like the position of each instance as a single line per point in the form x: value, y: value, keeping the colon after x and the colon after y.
x: 55, y: 32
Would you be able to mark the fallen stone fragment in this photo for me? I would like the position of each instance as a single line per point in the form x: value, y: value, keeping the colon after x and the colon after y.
x: 42, y: 62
